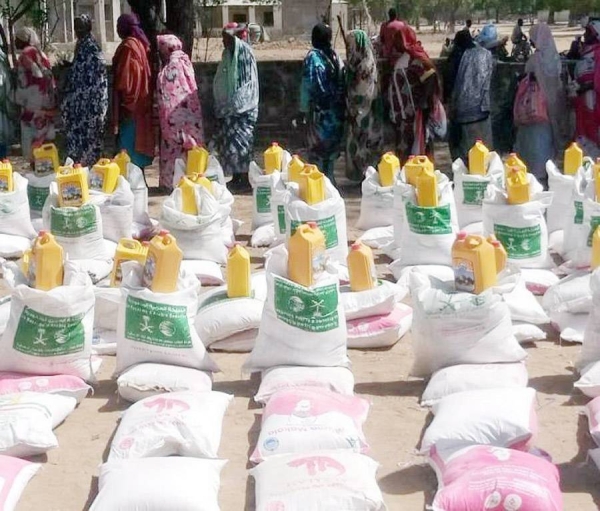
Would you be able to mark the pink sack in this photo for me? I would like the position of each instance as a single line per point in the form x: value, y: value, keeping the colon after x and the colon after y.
x: 531, y: 106
x: 484, y: 477
x: 14, y: 476
x: 592, y: 411
x: 64, y: 385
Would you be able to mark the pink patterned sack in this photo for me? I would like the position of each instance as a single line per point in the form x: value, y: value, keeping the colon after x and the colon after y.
x: 14, y: 476
x: 531, y: 106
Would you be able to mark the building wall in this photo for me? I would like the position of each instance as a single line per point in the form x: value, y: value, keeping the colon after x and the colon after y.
x: 299, y: 16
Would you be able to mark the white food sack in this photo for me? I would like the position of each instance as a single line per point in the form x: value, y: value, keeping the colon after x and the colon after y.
x: 13, y: 247
x: 15, y: 219
x: 376, y: 203
x: 116, y: 209
x: 380, y: 331
x: 562, y: 187
x: 373, y: 302
x: 262, y: 186
x: 575, y: 230
x: 135, y: 177
x: 524, y: 333
x: 590, y: 350
x: 38, y: 190
x: 214, y: 171
x: 571, y: 326
x: 572, y: 294
x: 15, y: 475
x: 279, y: 197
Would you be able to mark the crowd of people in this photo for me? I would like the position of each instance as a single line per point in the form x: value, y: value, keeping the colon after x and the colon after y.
x: 344, y: 107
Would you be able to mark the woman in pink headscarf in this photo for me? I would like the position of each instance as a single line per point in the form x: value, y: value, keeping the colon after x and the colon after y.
x: 179, y: 107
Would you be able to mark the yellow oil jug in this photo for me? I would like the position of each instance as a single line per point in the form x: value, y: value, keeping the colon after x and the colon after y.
x: 273, y: 158
x: 307, y: 256
x: 295, y: 169
x: 312, y: 185
x: 478, y: 155
x: 427, y: 196
x: 388, y: 169
x: 127, y: 250
x: 474, y: 263
x: 123, y: 160
x: 197, y: 160
x: 239, y: 283
x: 573, y: 159
x: 513, y: 161
x: 361, y: 268
x: 6, y: 177
x: 104, y: 176
x: 45, y: 160
x: 73, y: 188
x: 414, y: 166
x: 596, y: 249
x: 596, y: 174
x: 189, y: 204
x: 163, y: 262
x: 499, y: 251
x: 517, y: 186
x: 201, y: 180
x: 43, y: 263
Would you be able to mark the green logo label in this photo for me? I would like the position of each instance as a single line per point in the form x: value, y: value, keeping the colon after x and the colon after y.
x: 428, y: 220
x: 263, y: 199
x: 327, y: 226
x: 306, y: 309
x: 212, y: 177
x: 520, y: 242
x: 157, y: 324
x: 473, y: 192
x: 37, y: 197
x: 220, y: 296
x: 578, y: 213
x: 72, y: 223
x: 594, y: 223
x: 281, y: 218
x: 39, y: 335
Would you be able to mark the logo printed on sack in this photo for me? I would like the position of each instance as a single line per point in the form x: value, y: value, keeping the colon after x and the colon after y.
x: 428, y: 220
x: 520, y: 242
x: 72, y: 223
x: 37, y: 197
x: 271, y: 444
x: 162, y: 404
x: 315, y: 464
x: 328, y: 228
x: 281, y: 218
x: 311, y: 310
x: 263, y: 199
x: 594, y: 223
x: 39, y: 335
x: 157, y: 324
x: 473, y: 192
x: 578, y: 220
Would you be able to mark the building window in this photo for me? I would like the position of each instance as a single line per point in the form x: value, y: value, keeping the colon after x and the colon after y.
x: 268, y: 19
x: 240, y: 18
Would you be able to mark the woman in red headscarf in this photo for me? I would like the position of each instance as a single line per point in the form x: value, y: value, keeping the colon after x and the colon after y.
x: 412, y: 93
x: 132, y: 92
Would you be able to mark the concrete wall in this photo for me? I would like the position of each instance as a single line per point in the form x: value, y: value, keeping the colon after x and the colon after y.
x: 299, y: 16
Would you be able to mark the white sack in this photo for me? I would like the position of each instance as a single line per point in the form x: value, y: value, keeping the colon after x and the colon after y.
x: 590, y: 350
x: 382, y: 331
x: 562, y: 187
x: 38, y: 190
x: 572, y: 294
x: 14, y: 210
x: 13, y: 247
x: 576, y: 231
x: 262, y: 186
x: 214, y: 171
x: 376, y: 203
x: 571, y: 326
x: 373, y: 302
x: 116, y: 210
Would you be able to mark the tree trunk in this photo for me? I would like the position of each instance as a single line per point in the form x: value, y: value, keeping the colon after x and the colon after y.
x: 181, y: 20
x: 497, y: 15
x: 551, y: 17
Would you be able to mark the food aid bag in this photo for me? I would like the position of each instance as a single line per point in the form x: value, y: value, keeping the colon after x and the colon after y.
x: 16, y: 474
x: 79, y: 231
x: 105, y: 322
x: 116, y: 210
x: 330, y: 216
x: 300, y: 326
x: 521, y: 228
x: 590, y: 350
x: 575, y: 230
x: 198, y: 236
x: 38, y: 190
x: 572, y: 294
x: 279, y: 197
x: 142, y: 223
x: 214, y: 171
x: 50, y: 332
x: 262, y: 187
x: 469, y: 189
x: 376, y: 203
x: 425, y: 235
x: 16, y: 229
x: 459, y: 328
x: 159, y: 327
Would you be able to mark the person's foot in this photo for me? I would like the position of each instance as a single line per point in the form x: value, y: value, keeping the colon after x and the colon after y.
x: 239, y: 183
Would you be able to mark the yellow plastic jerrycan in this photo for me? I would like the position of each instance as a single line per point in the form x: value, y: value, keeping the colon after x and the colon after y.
x: 517, y: 186
x: 123, y: 160
x: 127, y: 250
x: 573, y: 159
x: 361, y: 268
x: 201, y: 180
x: 513, y: 161
x: 306, y: 259
x: 273, y: 158
x: 73, y: 188
x: 478, y: 155
x: 596, y: 249
x: 596, y: 174
x: 427, y: 195
x: 239, y: 283
x: 43, y: 263
x: 388, y: 169
x: 104, y: 176
x: 312, y: 185
x: 197, y: 160
x: 6, y: 177
x: 412, y: 169
x: 295, y: 169
x: 45, y: 160
x: 163, y: 262
x: 499, y: 251
x: 474, y: 263
x: 189, y: 205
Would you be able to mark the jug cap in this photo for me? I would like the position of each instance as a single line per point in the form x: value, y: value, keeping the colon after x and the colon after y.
x: 5, y: 160
x: 478, y: 140
x: 495, y: 242
x: 77, y: 166
x: 42, y: 233
x: 357, y: 245
x: 274, y: 144
x: 312, y: 225
x: 145, y: 243
x: 164, y: 232
x: 462, y: 235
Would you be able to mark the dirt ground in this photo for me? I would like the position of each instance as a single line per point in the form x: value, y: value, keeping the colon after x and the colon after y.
x: 67, y: 480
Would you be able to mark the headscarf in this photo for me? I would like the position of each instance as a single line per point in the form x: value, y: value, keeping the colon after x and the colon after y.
x: 129, y: 26
x: 321, y: 39
x: 488, y: 35
x: 28, y: 35
x: 406, y: 42
x: 541, y: 37
x: 86, y: 22
x: 463, y: 41
x: 238, y: 30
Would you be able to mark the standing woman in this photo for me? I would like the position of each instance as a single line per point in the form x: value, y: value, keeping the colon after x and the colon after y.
x: 322, y: 101
x: 179, y: 108
x: 35, y: 93
x: 86, y: 97
x: 132, y: 93
x: 413, y: 89
x: 538, y: 143
x: 363, y: 104
x: 236, y: 94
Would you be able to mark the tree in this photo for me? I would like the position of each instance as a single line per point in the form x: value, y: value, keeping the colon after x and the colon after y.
x: 14, y: 14
x: 181, y: 20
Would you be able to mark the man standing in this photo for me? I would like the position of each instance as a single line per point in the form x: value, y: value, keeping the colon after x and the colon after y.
x: 387, y: 32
